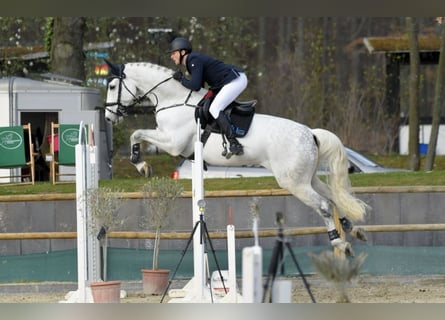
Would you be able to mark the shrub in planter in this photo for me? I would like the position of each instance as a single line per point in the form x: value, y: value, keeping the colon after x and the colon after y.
x: 103, y: 209
x: 160, y: 195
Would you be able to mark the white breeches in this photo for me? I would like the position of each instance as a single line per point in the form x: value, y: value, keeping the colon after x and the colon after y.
x: 227, y: 94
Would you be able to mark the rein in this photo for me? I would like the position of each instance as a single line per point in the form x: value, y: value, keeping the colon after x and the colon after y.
x: 178, y: 104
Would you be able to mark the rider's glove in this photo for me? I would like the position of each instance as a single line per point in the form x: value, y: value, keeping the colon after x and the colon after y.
x: 178, y: 75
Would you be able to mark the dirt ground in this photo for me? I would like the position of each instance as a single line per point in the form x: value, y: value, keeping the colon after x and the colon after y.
x: 363, y: 289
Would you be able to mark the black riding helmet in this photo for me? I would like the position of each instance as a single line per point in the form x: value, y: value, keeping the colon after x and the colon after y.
x: 181, y: 44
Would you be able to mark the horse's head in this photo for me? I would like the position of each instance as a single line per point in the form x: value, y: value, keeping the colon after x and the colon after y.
x: 133, y: 83
x: 121, y: 93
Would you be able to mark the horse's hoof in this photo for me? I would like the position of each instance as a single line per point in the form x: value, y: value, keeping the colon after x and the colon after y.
x: 359, y: 233
x: 343, y: 246
x: 144, y: 169
x: 148, y: 171
x: 346, y: 225
x: 348, y: 250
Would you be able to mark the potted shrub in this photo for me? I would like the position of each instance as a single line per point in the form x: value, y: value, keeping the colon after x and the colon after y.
x: 103, y: 205
x: 159, y: 200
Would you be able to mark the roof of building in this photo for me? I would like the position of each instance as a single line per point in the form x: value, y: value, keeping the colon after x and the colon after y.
x: 38, y: 51
x: 401, y: 44
x: 18, y: 84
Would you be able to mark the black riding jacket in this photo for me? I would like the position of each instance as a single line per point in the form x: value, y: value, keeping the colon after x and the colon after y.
x: 205, y: 69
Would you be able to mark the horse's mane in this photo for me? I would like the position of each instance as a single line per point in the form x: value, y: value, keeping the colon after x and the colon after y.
x: 144, y: 68
x: 150, y: 66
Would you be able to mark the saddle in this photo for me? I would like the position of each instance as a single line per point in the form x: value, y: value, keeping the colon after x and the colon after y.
x: 240, y: 115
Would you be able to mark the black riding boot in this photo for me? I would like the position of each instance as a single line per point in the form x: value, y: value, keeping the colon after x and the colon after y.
x: 235, y: 147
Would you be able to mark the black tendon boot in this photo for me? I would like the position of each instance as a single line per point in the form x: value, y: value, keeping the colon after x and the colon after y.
x: 135, y: 153
x: 235, y: 147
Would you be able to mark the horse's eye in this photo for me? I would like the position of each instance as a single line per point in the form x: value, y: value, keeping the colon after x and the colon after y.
x: 112, y: 86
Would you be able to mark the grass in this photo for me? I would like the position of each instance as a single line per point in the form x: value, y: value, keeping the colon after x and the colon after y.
x: 126, y: 178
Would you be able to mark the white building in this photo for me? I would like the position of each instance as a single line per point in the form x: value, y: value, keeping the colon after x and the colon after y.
x: 39, y: 103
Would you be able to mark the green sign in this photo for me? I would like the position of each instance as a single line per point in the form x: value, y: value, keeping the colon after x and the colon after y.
x: 12, y: 147
x: 68, y: 138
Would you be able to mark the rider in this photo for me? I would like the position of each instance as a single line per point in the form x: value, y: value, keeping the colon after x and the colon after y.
x: 225, y: 79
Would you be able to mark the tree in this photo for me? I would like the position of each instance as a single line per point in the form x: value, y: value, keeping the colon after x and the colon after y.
x: 67, y: 57
x: 103, y: 206
x: 160, y: 195
x: 414, y: 70
x: 436, y: 104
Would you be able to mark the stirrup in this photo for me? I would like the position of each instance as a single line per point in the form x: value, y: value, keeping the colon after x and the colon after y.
x: 236, y: 148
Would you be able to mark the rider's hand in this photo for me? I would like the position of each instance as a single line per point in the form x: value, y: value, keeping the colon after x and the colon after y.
x: 178, y: 75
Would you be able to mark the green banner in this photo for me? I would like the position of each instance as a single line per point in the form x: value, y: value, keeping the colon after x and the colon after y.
x: 12, y: 147
x: 68, y: 138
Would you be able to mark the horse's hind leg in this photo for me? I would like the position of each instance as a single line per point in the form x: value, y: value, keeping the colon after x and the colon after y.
x: 348, y: 227
x: 324, y: 208
x: 346, y: 224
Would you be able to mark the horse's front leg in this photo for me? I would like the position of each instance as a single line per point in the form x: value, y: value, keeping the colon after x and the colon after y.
x: 156, y: 138
x: 142, y: 166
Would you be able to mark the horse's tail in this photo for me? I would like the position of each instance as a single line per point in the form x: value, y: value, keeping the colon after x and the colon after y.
x: 333, y: 153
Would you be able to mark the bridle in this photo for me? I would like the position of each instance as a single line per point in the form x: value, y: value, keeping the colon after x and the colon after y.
x: 122, y: 110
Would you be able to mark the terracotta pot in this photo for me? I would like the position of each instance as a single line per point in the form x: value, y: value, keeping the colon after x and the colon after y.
x: 106, y: 291
x: 154, y: 281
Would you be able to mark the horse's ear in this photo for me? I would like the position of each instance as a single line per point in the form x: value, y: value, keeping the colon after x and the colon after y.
x: 117, y: 70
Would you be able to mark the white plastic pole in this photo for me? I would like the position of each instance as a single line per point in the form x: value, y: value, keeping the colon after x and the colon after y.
x: 198, y: 194
x: 231, y: 258
x: 252, y: 274
x: 282, y: 291
x: 88, y: 264
x: 196, y: 290
x: 252, y: 269
x: 82, y: 269
x: 94, y: 265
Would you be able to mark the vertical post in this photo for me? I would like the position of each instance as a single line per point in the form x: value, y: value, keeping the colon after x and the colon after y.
x: 232, y: 262
x: 81, y: 172
x: 252, y: 269
x: 197, y: 195
x: 196, y: 289
x: 53, y: 160
x: 87, y: 248
x: 94, y: 265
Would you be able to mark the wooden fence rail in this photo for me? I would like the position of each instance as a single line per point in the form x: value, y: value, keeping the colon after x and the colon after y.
x: 220, y: 234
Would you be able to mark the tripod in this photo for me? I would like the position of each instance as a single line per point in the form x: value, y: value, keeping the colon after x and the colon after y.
x: 204, y: 238
x: 277, y: 260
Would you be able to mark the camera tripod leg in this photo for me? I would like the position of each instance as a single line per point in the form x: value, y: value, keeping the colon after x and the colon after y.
x: 275, y: 261
x: 204, y: 236
x: 306, y: 284
x: 214, y: 257
x: 180, y: 260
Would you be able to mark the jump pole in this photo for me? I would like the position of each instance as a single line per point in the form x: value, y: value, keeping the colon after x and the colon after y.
x: 87, y: 249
